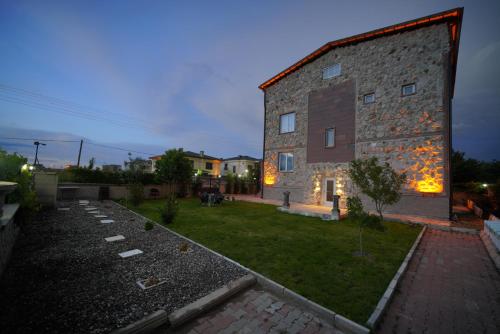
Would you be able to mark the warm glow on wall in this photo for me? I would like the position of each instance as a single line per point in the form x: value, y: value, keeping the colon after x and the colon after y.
x: 270, y: 172
x: 427, y: 172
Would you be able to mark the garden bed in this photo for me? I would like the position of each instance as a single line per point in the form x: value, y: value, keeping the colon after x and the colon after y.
x: 65, y: 278
x: 307, y: 255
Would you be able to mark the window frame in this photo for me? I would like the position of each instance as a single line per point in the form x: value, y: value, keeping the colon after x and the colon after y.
x: 287, y: 114
x: 325, y: 69
x: 207, y: 163
x: 286, y: 154
x: 326, y: 138
x: 369, y: 94
x: 408, y: 85
x: 234, y: 169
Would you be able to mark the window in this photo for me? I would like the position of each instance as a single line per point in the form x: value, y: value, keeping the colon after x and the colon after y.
x: 369, y: 98
x: 408, y: 89
x: 331, y: 71
x: 330, y: 137
x: 285, y: 162
x: 225, y: 166
x: 234, y: 169
x: 209, y: 165
x: 287, y: 123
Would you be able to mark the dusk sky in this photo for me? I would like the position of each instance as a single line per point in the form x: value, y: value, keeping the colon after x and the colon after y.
x: 152, y: 75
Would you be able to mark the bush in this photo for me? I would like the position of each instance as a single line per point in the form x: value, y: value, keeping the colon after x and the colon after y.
x: 149, y: 226
x: 355, y: 208
x: 136, y: 191
x: 169, y: 210
x: 373, y: 222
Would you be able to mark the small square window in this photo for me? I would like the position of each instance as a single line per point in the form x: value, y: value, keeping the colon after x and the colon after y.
x: 369, y: 98
x: 209, y: 165
x: 330, y: 137
x: 287, y: 123
x: 408, y: 89
x: 285, y: 162
x: 332, y: 71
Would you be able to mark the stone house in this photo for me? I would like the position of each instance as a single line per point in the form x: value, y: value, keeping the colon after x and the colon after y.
x: 239, y: 165
x: 385, y: 93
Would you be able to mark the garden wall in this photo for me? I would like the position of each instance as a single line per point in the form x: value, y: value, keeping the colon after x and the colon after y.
x: 91, y: 190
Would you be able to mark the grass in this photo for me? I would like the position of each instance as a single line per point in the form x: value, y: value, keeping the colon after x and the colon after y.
x: 307, y: 255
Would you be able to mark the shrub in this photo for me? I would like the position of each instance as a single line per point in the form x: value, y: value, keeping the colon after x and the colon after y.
x: 169, y: 210
x: 355, y: 208
x: 136, y: 191
x: 373, y: 222
x: 149, y: 225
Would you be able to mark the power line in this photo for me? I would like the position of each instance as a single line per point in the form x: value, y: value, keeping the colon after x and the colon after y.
x: 38, y: 139
x: 120, y: 149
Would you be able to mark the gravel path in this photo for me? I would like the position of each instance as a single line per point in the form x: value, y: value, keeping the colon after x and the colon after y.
x: 64, y: 277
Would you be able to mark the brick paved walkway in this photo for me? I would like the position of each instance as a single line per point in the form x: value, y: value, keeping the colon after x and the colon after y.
x: 257, y: 312
x: 451, y: 286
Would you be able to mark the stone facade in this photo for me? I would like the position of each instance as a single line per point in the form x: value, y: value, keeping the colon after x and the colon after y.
x: 410, y: 132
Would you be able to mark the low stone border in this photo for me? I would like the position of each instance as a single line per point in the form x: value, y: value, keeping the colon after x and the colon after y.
x: 146, y: 324
x: 191, y: 311
x: 389, y: 292
x: 434, y: 227
x: 344, y: 324
x: 491, y: 249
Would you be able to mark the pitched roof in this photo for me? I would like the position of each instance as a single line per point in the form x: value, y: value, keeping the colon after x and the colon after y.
x: 242, y: 157
x: 452, y: 16
x: 189, y: 154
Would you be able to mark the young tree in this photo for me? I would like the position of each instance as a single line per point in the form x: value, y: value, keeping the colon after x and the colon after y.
x: 174, y: 167
x: 379, y: 182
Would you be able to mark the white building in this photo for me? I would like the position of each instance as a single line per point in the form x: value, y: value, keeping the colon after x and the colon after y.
x: 239, y: 165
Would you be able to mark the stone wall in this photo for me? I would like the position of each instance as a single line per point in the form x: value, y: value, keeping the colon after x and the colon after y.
x: 410, y: 133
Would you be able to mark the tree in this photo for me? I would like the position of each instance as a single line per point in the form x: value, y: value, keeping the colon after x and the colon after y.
x: 91, y: 163
x: 379, y: 182
x: 356, y: 213
x: 174, y: 167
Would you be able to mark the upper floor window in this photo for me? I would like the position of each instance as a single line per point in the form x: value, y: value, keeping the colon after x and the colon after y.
x: 331, y: 71
x: 234, y: 169
x: 209, y: 165
x: 408, y: 89
x: 285, y: 162
x: 330, y: 137
x: 369, y: 98
x: 287, y: 123
x: 225, y: 166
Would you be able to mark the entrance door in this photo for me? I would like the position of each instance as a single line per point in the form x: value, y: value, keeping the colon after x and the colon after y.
x: 328, y: 191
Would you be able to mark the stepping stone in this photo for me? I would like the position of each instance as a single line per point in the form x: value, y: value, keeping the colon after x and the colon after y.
x: 130, y: 253
x: 101, y: 216
x: 107, y: 221
x: 91, y: 208
x: 93, y: 212
x: 115, y: 238
x: 62, y: 209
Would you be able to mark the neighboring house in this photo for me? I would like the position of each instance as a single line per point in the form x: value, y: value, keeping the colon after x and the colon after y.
x: 202, y: 164
x: 111, y: 168
x: 386, y: 93
x: 139, y: 164
x: 239, y: 165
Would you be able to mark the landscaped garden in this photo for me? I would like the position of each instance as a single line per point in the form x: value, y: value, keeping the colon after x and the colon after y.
x: 312, y: 257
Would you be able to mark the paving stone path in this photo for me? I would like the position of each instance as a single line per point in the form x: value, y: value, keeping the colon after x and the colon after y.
x: 259, y: 312
x: 451, y: 286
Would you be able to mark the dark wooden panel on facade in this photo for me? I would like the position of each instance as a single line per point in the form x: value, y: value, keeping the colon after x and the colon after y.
x: 332, y: 107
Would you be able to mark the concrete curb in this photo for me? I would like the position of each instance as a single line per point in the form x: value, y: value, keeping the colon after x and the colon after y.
x: 490, y: 248
x: 349, y: 326
x: 191, y: 311
x: 389, y: 292
x: 434, y: 226
x: 146, y: 324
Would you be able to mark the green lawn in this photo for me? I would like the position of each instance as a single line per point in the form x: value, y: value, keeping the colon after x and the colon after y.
x: 307, y: 255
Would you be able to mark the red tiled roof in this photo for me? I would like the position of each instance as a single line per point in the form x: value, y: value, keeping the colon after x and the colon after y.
x: 453, y: 17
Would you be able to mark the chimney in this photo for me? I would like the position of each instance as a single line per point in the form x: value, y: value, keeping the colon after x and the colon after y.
x: 202, y: 153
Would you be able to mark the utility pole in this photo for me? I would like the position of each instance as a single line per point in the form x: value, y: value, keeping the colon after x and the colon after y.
x: 79, y: 153
x: 37, y: 143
